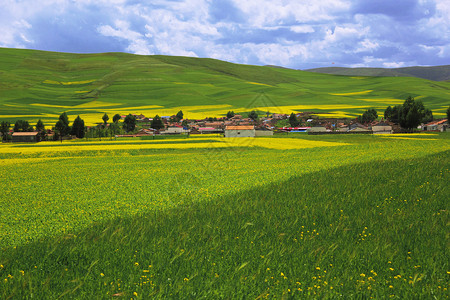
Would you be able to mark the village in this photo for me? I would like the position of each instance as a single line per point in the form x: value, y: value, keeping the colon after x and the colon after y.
x: 235, y: 125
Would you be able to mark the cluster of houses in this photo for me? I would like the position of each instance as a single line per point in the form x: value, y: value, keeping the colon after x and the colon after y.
x: 238, y: 126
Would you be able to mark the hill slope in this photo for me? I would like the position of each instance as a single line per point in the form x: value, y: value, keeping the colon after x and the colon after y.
x: 437, y: 73
x: 41, y: 85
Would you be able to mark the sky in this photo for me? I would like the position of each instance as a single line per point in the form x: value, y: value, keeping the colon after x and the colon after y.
x: 298, y: 34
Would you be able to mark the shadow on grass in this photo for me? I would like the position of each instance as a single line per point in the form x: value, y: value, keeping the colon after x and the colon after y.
x: 321, y: 234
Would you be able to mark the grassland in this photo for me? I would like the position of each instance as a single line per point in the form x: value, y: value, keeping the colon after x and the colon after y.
x: 285, y: 217
x: 41, y: 85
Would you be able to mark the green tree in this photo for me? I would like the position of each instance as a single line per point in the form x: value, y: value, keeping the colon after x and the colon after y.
x: 4, y: 129
x: 116, y: 118
x: 293, y: 121
x: 129, y: 124
x: 230, y: 114
x: 448, y: 114
x: 22, y: 126
x: 40, y: 126
x: 78, y: 128
x: 62, y: 126
x: 253, y: 115
x: 368, y: 116
x: 393, y: 113
x: 179, y: 116
x: 41, y: 129
x: 388, y: 113
x: 412, y: 113
x: 185, y: 124
x: 105, y: 119
x: 157, y: 123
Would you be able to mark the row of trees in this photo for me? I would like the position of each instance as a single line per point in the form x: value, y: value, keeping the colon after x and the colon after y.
x: 409, y: 115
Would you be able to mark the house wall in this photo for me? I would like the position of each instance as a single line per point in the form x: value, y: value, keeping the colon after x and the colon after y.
x: 240, y: 133
x: 317, y: 129
x: 25, y: 139
x: 263, y: 132
x: 381, y: 129
x: 174, y: 130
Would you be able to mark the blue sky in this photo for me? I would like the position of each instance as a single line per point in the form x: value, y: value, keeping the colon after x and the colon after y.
x: 297, y: 34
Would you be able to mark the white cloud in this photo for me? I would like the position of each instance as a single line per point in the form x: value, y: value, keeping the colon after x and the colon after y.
x: 302, y: 29
x: 282, y: 32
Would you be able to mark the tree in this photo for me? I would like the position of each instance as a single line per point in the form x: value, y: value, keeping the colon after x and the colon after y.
x: 40, y: 126
x: 388, y: 113
x: 179, y: 116
x: 4, y: 129
x: 412, y: 113
x: 393, y: 113
x: 64, y: 118
x: 64, y: 128
x: 448, y: 114
x: 368, y: 116
x: 22, y: 126
x: 78, y: 128
x: 230, y: 114
x: 41, y: 129
x: 60, y: 128
x: 129, y: 124
x: 105, y: 119
x: 293, y: 121
x: 116, y: 118
x: 253, y: 115
x: 185, y: 124
x: 157, y: 123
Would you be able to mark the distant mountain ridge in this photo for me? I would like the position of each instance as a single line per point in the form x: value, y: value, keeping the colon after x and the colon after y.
x: 435, y: 73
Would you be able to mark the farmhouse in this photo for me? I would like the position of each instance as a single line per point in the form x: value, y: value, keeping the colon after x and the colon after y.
x: 264, y: 131
x: 382, y: 128
x: 316, y: 130
x: 207, y: 130
x: 240, y: 131
x: 441, y: 126
x: 25, y: 137
x: 174, y: 130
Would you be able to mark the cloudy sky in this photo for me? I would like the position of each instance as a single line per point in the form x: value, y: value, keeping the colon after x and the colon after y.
x: 297, y: 34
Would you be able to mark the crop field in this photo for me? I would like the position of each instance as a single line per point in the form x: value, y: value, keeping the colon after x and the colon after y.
x: 41, y: 85
x: 291, y: 216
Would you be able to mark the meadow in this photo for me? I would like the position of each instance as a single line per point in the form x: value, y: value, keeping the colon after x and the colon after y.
x: 41, y: 85
x: 292, y: 216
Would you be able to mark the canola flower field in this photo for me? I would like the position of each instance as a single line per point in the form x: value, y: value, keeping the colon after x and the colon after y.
x: 291, y: 216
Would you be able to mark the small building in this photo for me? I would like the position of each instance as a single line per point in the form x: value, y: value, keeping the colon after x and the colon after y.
x: 174, y: 130
x: 382, y: 128
x: 25, y: 137
x: 209, y: 130
x: 263, y: 132
x: 440, y: 125
x: 240, y: 131
x: 316, y: 129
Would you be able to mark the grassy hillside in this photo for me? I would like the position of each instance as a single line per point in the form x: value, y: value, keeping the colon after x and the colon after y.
x: 289, y: 217
x: 41, y: 85
x: 436, y: 73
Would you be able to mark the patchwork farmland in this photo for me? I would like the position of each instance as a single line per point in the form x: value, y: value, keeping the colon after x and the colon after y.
x: 42, y: 85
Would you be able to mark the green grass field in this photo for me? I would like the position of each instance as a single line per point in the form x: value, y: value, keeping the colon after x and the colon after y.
x: 293, y: 216
x: 41, y: 85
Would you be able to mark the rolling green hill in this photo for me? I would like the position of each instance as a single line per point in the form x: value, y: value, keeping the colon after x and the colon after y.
x: 436, y: 73
x: 41, y: 85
